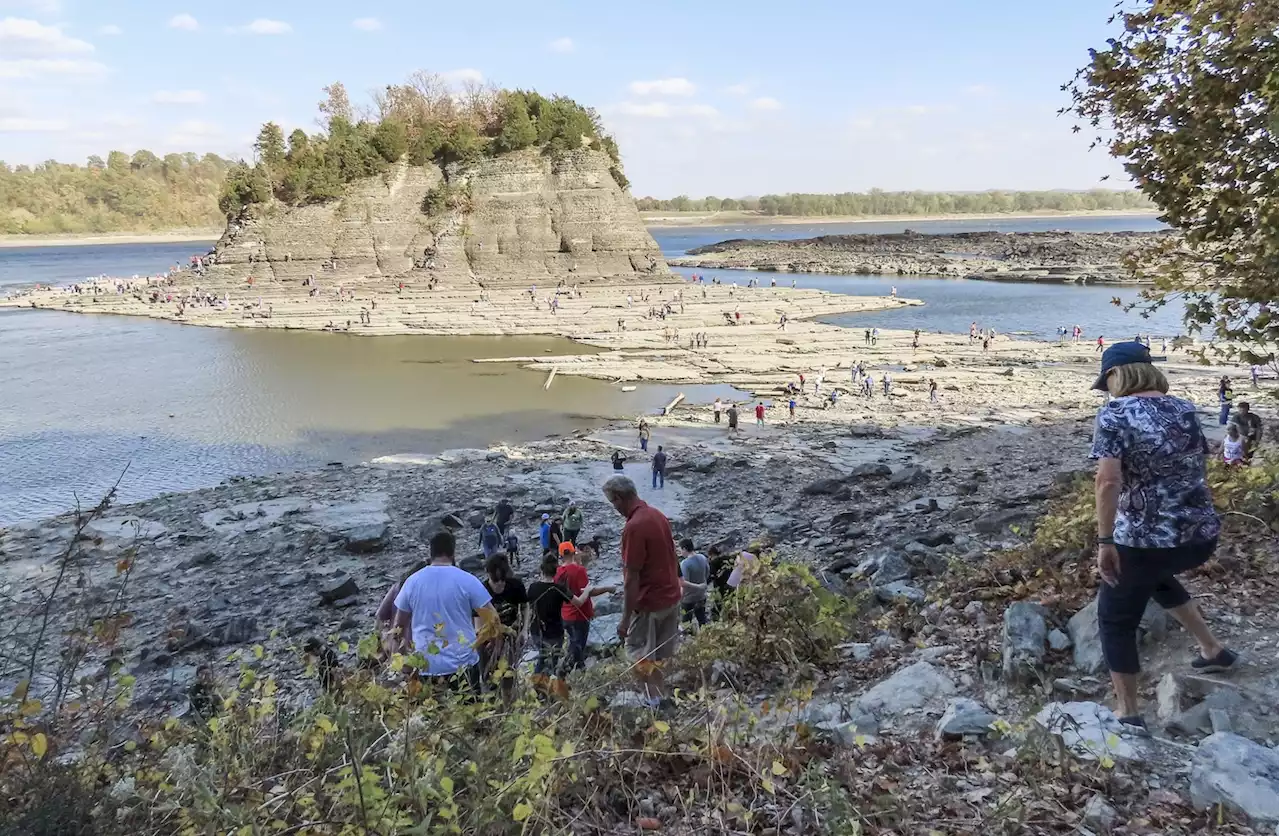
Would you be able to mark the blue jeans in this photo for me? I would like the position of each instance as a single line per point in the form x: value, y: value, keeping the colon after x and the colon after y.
x: 659, y: 479
x: 644, y: 444
x: 1224, y: 413
x: 577, y: 632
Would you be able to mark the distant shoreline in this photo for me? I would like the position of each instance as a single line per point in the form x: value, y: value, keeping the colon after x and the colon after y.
x: 696, y: 219
x: 176, y: 236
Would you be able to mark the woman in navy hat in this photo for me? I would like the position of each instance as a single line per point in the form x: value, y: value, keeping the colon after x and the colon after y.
x: 1155, y: 516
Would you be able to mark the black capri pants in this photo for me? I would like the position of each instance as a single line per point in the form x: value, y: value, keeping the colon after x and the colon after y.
x: 1145, y: 574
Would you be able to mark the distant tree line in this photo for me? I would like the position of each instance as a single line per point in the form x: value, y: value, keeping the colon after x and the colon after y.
x: 877, y: 202
x: 123, y: 193
x: 424, y: 120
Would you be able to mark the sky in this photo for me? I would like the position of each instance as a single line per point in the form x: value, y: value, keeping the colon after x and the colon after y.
x: 705, y: 98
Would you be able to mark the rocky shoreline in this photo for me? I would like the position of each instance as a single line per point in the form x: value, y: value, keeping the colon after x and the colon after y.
x: 1051, y: 257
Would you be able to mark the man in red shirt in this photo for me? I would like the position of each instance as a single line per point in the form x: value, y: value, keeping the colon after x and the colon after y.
x: 760, y: 413
x: 650, y: 622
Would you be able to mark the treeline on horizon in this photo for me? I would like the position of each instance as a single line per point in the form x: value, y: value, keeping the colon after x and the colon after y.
x: 141, y: 192
x: 879, y: 202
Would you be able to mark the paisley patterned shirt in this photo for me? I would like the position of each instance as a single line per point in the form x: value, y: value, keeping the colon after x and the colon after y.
x: 1164, y: 500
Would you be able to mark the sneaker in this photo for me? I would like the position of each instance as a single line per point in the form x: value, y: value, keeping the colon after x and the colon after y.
x: 1135, y: 725
x: 1222, y: 662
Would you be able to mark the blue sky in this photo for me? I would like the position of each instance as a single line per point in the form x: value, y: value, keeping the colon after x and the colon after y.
x: 705, y: 97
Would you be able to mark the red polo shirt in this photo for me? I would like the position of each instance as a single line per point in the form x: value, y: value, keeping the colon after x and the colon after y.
x: 649, y: 552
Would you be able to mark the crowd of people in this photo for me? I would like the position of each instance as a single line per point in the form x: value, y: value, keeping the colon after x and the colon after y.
x: 473, y: 632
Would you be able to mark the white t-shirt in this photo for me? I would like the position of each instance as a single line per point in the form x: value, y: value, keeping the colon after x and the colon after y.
x: 1232, y: 451
x: 741, y: 566
x: 443, y: 601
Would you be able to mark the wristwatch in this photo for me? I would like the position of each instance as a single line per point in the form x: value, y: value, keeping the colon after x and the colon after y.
x: 1106, y: 541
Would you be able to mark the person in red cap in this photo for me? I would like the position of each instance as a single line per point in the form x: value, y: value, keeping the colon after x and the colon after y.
x: 576, y: 614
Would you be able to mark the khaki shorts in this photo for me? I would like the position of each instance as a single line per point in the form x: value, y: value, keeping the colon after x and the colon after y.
x: 654, y: 636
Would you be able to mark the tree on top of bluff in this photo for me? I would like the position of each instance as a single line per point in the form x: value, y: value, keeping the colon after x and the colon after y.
x: 425, y: 120
x: 1186, y: 95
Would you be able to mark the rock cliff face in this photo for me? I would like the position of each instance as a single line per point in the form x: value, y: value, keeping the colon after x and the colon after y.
x: 519, y: 218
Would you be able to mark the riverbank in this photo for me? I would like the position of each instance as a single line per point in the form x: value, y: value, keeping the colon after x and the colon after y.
x: 89, y: 239
x: 1055, y: 257
x: 696, y: 219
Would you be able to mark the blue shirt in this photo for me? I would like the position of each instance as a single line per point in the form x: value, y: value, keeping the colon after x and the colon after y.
x: 443, y: 601
x: 545, y: 534
x: 1164, y: 499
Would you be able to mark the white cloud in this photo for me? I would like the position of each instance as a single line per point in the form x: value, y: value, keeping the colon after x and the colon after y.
x: 178, y: 97
x: 184, y: 21
x: 765, y: 103
x: 41, y: 67
x: 561, y: 45
x: 663, y: 87
x: 664, y: 110
x: 738, y: 89
x: 367, y: 24
x: 266, y: 26
x: 26, y: 125
x: 463, y: 75
x: 111, y: 29
x: 979, y: 90
x: 194, y: 133
x: 23, y: 38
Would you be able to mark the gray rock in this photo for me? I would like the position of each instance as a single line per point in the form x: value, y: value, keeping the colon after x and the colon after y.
x: 702, y: 464
x: 1099, y: 814
x: 342, y: 587
x: 776, y: 523
x: 844, y: 519
x: 1220, y: 720
x: 203, y: 558
x: 865, y: 431
x: 974, y: 611
x: 936, y: 538
x: 476, y: 520
x: 1059, y: 640
x: 1239, y: 774
x: 935, y: 653
x: 825, y: 487
x: 451, y: 521
x: 870, y: 470
x: 890, y: 568
x: 368, y: 538
x: 897, y: 591
x: 914, y: 689
x: 999, y: 521
x: 472, y: 563
x: 848, y: 732
x: 909, y: 475
x: 1083, y: 627
x: 1025, y: 633
x: 1091, y: 731
x: 1169, y: 698
x: 858, y: 651
x: 963, y: 716
x: 883, y: 643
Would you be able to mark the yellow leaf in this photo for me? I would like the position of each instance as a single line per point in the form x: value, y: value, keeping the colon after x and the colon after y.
x: 130, y: 745
x: 29, y: 708
x: 258, y: 651
x: 768, y: 786
x: 39, y: 745
x: 325, y: 723
x: 19, y: 737
x: 778, y: 768
x: 592, y: 704
x: 343, y: 647
x: 446, y: 784
x: 521, y: 811
x: 662, y: 726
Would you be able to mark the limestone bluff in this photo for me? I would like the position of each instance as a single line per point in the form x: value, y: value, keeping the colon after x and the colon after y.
x: 516, y: 218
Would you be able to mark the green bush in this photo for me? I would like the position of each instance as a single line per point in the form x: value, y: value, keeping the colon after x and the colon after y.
x: 391, y: 139
x: 518, y: 130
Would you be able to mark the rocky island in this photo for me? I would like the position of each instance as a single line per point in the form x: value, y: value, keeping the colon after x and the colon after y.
x: 1061, y: 257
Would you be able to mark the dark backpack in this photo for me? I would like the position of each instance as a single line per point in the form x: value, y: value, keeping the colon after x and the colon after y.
x: 490, y: 536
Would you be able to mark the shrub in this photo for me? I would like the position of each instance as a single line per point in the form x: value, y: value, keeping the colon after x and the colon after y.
x: 517, y: 129
x: 391, y: 139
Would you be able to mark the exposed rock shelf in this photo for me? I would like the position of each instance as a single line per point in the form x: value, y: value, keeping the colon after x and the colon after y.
x: 1065, y: 257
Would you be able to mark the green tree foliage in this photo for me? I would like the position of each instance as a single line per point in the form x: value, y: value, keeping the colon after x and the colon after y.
x: 518, y: 130
x: 1186, y: 95
x: 424, y: 121
x: 878, y: 202
x: 122, y: 193
x: 243, y: 186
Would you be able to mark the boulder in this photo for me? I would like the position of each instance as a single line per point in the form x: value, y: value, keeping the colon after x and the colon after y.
x: 1059, y: 640
x: 899, y: 591
x: 865, y: 431
x: 890, y: 568
x: 1239, y: 774
x: 907, y: 476
x: 870, y: 470
x: 472, y: 563
x: 1083, y: 627
x: 342, y: 587
x: 935, y: 538
x: 1169, y: 698
x: 844, y: 519
x: 1025, y: 633
x: 963, y: 716
x: 998, y: 521
x: 368, y: 538
x: 451, y: 521
x: 912, y: 690
x: 1091, y: 731
x: 824, y: 487
x: 1098, y: 814
x: 776, y: 523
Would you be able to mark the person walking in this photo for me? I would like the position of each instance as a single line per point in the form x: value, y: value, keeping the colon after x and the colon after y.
x: 732, y: 414
x: 490, y: 538
x: 577, y: 613
x: 791, y: 407
x: 644, y: 435
x: 1225, y: 397
x: 1155, y: 516
x: 716, y: 409
x: 887, y: 383
x: 572, y: 523
x: 650, y: 623
x: 659, y: 469
x: 436, y: 611
x: 1099, y: 345
x: 544, y: 534
x: 760, y: 414
x: 546, y: 628
x: 695, y: 574
x: 503, y: 513
x: 511, y: 600
x: 933, y: 391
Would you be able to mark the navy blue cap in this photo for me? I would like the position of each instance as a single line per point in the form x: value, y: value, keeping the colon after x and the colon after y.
x: 1121, y: 354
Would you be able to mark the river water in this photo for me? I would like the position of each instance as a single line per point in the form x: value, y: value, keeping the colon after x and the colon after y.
x: 86, y: 397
